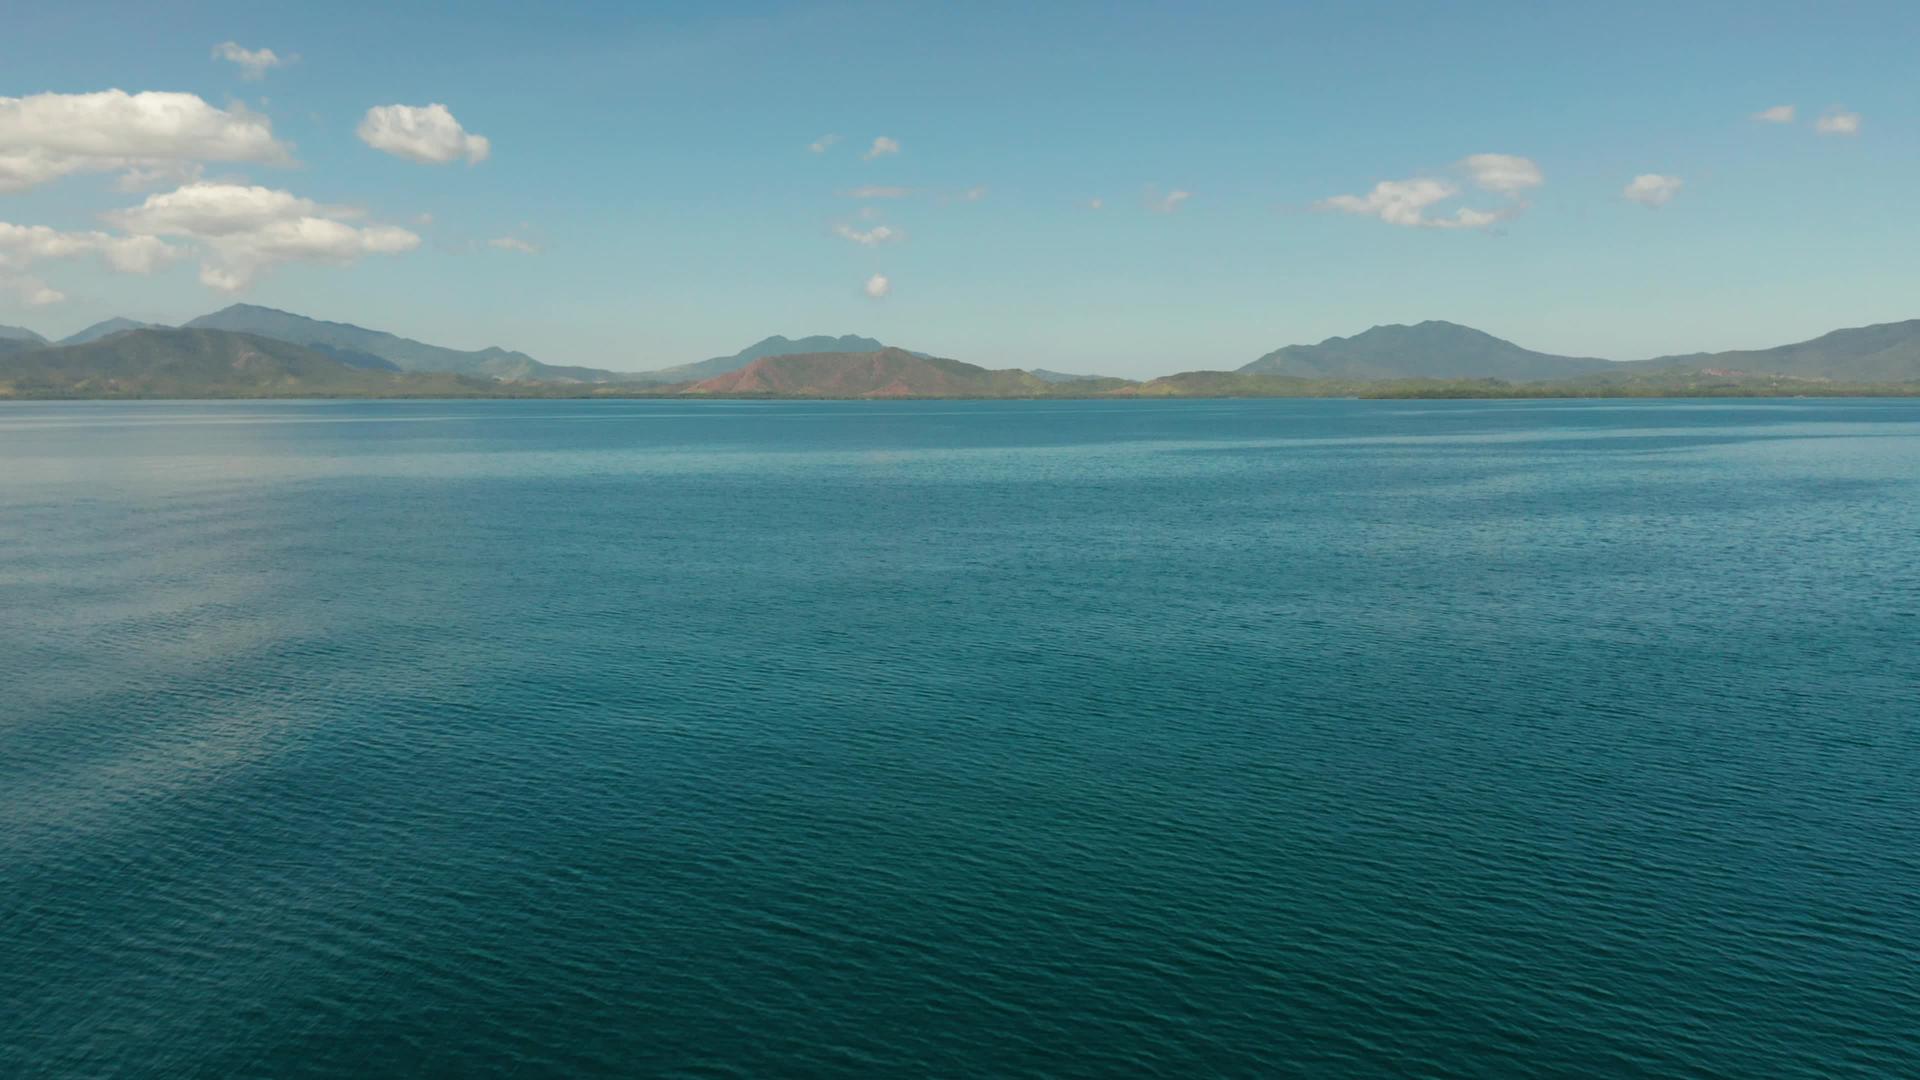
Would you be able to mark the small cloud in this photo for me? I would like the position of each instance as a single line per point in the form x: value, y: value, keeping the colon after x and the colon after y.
x: 1778, y: 114
x: 1096, y: 203
x: 874, y: 191
x: 513, y: 243
x: 821, y: 144
x: 1168, y: 203
x: 874, y: 237
x: 1837, y: 121
x: 253, y: 63
x: 974, y: 194
x: 882, y: 146
x: 1652, y: 189
x: 427, y: 134
x: 1508, y: 174
x: 878, y: 286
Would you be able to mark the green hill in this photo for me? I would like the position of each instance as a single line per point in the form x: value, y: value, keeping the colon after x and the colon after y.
x: 1429, y: 350
x: 773, y: 346
x: 884, y: 373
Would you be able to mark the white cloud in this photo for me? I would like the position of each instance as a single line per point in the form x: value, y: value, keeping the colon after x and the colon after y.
x: 514, y: 243
x: 1396, y: 202
x: 1406, y: 202
x: 244, y: 231
x: 974, y: 194
x: 1169, y: 202
x: 875, y: 191
x: 21, y: 246
x: 820, y: 145
x: 1507, y: 174
x: 882, y: 146
x: 1652, y: 189
x: 427, y: 134
x: 31, y: 291
x: 164, y: 174
x: 1838, y: 121
x: 46, y: 136
x: 878, y: 286
x: 874, y: 237
x: 1096, y: 203
x: 1778, y: 114
x: 253, y: 63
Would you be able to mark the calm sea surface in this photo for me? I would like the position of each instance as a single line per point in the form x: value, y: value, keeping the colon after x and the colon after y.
x: 964, y: 739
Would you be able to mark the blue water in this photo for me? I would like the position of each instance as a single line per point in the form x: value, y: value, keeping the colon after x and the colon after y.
x: 966, y: 739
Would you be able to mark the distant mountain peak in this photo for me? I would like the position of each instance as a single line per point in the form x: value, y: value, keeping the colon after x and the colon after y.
x: 106, y: 328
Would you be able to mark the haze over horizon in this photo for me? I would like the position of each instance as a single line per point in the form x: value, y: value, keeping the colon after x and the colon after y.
x: 1131, y: 190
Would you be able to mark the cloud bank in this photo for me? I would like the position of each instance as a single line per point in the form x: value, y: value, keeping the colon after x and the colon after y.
x: 244, y: 231
x: 21, y: 246
x: 47, y: 136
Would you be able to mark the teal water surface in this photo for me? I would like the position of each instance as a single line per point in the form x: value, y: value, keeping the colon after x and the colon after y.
x: 1258, y: 739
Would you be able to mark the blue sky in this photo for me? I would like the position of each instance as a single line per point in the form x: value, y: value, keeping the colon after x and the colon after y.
x: 658, y: 159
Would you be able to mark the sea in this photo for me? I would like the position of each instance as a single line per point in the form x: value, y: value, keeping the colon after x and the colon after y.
x: 960, y: 739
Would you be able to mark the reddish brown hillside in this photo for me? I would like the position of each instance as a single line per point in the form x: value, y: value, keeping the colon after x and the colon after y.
x: 889, y: 373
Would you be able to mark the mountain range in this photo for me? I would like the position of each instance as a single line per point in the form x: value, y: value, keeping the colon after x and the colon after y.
x: 360, y: 347
x: 247, y: 350
x: 1886, y: 352
x: 193, y: 363
x: 1889, y: 352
